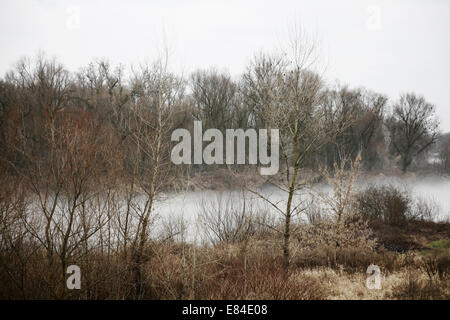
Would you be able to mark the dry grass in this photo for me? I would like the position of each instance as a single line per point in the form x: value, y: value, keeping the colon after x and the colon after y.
x: 248, y: 271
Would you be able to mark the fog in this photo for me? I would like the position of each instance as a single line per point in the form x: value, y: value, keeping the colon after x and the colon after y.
x: 186, y: 207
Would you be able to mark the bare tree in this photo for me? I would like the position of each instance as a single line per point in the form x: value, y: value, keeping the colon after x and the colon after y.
x: 259, y: 85
x: 364, y: 110
x: 214, y: 95
x: 290, y: 97
x: 413, y: 128
x: 148, y: 124
x: 63, y: 149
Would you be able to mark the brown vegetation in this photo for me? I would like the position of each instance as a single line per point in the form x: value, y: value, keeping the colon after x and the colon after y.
x: 85, y: 160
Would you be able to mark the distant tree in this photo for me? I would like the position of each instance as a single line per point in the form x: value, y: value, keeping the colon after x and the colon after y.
x: 259, y: 86
x: 214, y: 96
x: 102, y: 87
x: 444, y: 153
x: 413, y: 128
x: 9, y: 122
x: 364, y: 110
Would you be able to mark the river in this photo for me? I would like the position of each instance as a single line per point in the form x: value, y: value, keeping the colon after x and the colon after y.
x: 187, y: 206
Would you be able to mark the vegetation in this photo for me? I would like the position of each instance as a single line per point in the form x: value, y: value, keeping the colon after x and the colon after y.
x: 85, y: 162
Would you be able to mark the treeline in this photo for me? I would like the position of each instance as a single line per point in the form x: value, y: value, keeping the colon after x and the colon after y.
x: 41, y: 104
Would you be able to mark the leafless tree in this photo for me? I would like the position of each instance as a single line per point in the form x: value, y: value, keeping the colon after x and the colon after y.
x: 290, y: 97
x: 215, y: 96
x: 413, y: 128
x: 364, y: 111
x: 64, y: 149
x: 148, y: 123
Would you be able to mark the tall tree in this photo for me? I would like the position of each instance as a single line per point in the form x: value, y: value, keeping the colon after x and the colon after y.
x: 289, y: 96
x: 413, y: 128
x: 214, y: 96
x: 364, y: 110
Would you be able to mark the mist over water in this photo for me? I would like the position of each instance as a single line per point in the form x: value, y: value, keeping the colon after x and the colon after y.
x: 434, y: 189
x: 187, y: 206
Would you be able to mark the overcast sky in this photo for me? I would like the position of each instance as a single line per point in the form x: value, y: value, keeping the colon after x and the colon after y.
x: 387, y: 46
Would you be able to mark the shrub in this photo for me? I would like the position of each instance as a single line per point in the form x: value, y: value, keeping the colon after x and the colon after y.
x: 264, y: 280
x: 436, y: 266
x: 349, y: 232
x: 386, y: 203
x: 424, y: 210
x: 228, y: 220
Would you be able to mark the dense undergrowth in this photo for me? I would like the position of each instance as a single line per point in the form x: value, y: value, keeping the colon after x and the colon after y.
x: 412, y: 252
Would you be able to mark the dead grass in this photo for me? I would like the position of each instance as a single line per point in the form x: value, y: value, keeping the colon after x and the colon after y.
x: 246, y: 271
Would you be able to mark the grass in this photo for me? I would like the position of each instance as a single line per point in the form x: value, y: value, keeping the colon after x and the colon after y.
x: 443, y: 244
x: 254, y: 270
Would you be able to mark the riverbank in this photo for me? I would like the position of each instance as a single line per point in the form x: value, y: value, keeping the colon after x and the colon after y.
x: 226, y: 179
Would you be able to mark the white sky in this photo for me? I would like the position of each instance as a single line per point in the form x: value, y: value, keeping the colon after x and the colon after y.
x: 387, y: 46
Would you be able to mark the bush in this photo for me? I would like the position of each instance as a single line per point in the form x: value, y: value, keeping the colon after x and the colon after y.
x: 349, y: 232
x: 201, y: 273
x: 227, y: 220
x: 424, y: 209
x: 437, y: 266
x: 266, y: 279
x: 386, y: 203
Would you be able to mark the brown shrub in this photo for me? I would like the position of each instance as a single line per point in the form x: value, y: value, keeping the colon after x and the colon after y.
x: 204, y: 273
x: 264, y: 280
x: 349, y: 232
x: 386, y: 203
x: 436, y: 266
